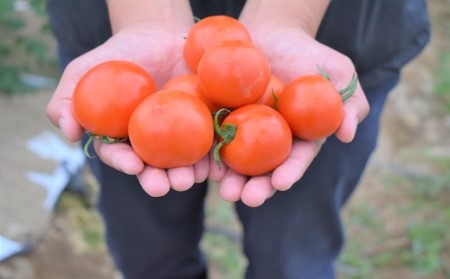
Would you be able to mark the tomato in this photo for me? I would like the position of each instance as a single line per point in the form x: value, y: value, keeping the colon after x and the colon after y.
x: 171, y: 129
x: 207, y: 33
x: 259, y: 141
x: 106, y: 95
x: 312, y: 106
x: 272, y: 92
x: 233, y: 74
x: 190, y: 83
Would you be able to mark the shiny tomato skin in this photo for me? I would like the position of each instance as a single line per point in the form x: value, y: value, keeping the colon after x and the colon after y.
x: 190, y: 83
x: 233, y: 74
x: 171, y: 129
x: 106, y: 95
x: 312, y: 106
x: 207, y: 33
x: 275, y: 87
x: 262, y: 142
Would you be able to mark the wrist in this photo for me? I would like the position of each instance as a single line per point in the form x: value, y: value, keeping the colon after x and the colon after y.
x: 300, y: 14
x: 169, y: 15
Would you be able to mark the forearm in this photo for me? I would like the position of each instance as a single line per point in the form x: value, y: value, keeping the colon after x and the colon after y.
x: 175, y: 15
x: 304, y: 14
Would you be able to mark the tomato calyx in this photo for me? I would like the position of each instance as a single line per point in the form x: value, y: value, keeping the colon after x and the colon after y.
x: 348, y: 91
x: 104, y: 139
x: 323, y: 73
x: 275, y: 98
x: 226, y: 132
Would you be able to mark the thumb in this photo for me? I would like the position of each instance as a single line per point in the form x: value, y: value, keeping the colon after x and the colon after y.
x: 59, y: 108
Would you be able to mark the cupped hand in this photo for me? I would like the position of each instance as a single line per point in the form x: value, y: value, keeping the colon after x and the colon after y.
x: 160, y: 53
x: 293, y: 53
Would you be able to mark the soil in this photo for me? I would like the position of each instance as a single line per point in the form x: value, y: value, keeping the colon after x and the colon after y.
x: 413, y: 121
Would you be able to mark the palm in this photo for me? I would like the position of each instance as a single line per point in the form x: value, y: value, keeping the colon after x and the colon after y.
x: 158, y: 52
x: 292, y: 53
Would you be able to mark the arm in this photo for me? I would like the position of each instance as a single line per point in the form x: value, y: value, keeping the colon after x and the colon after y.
x: 284, y: 30
x: 305, y: 15
x: 172, y: 15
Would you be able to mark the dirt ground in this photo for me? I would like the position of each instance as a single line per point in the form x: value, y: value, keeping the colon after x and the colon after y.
x: 412, y: 121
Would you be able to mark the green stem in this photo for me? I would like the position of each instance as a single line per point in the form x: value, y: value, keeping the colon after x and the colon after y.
x: 104, y: 139
x: 348, y: 91
x: 323, y: 73
x: 216, y: 153
x: 275, y: 98
x: 87, y: 145
x: 226, y: 132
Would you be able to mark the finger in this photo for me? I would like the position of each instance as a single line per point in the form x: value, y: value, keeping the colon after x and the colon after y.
x: 201, y: 170
x: 300, y: 157
x: 231, y: 186
x: 59, y: 108
x: 181, y: 178
x: 257, y: 190
x: 154, y: 181
x: 356, y: 109
x: 119, y: 156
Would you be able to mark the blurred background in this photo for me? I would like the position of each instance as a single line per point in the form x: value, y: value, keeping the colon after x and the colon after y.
x: 397, y: 223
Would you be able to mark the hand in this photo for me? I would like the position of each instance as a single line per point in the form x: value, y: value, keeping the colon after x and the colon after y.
x: 293, y: 53
x: 160, y: 53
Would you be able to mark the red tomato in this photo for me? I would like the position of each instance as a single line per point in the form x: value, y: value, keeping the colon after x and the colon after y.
x: 312, y: 106
x: 261, y: 142
x: 207, y: 33
x: 272, y: 92
x: 106, y: 95
x: 171, y: 129
x: 190, y: 83
x: 234, y: 73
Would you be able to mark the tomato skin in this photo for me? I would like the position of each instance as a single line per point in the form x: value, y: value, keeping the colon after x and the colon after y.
x: 207, y: 33
x: 106, y: 95
x: 275, y: 87
x: 234, y: 73
x: 190, y: 83
x: 171, y: 129
x: 312, y: 106
x: 262, y: 141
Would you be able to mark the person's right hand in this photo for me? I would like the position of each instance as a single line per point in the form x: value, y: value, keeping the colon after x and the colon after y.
x: 160, y: 53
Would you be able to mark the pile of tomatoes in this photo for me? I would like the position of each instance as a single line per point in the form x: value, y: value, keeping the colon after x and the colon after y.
x: 230, y: 94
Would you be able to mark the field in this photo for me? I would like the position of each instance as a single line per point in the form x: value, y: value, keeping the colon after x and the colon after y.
x: 397, y: 222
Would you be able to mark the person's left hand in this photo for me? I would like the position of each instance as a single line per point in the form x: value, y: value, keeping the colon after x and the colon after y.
x: 292, y: 52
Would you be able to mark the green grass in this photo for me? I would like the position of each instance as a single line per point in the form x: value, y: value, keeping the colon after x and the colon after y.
x: 83, y: 220
x: 422, y: 249
x: 221, y: 241
x: 419, y: 246
x: 23, y: 49
x: 442, y: 77
x: 224, y: 256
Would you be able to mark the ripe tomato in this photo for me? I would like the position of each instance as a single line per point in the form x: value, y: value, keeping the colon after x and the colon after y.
x: 208, y: 32
x: 190, y: 83
x: 106, y: 95
x: 272, y: 92
x: 261, y: 142
x: 171, y: 129
x: 234, y: 73
x: 312, y: 106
